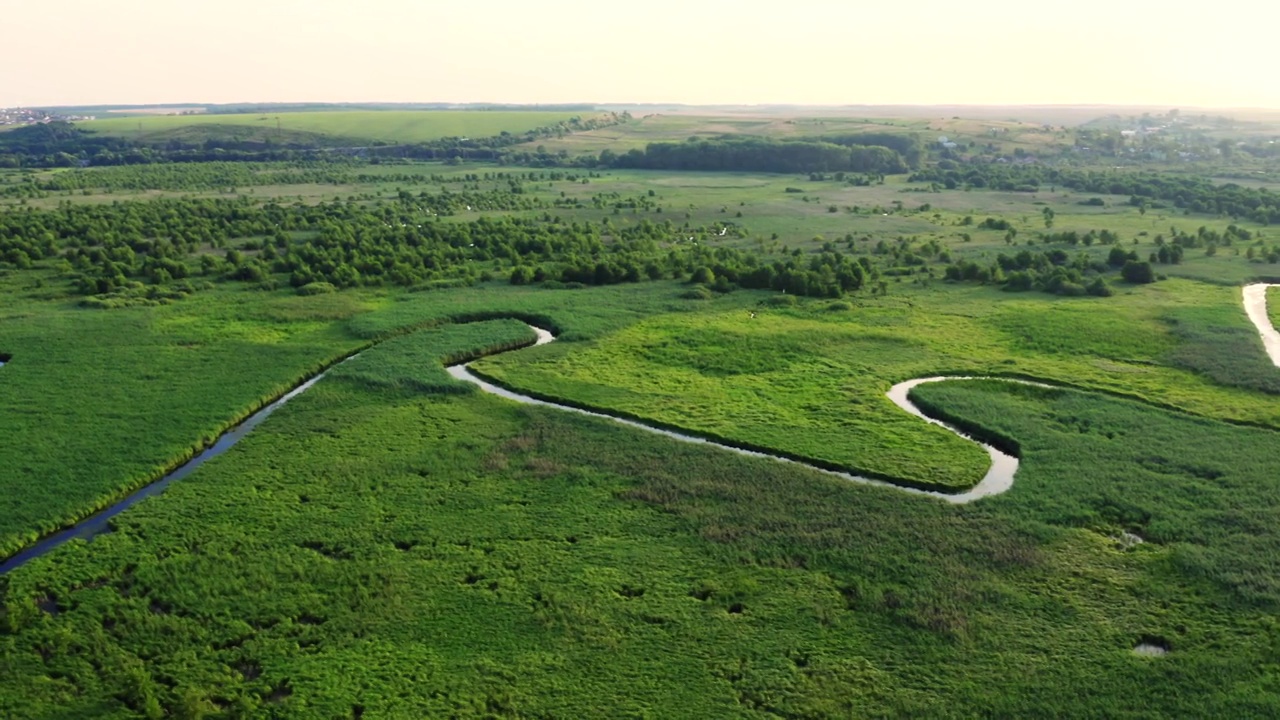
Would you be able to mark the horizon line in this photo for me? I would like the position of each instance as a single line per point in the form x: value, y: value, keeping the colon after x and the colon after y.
x: 594, y: 104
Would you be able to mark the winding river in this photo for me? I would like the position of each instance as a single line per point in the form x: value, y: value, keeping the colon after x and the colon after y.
x: 99, y: 522
x: 998, y: 479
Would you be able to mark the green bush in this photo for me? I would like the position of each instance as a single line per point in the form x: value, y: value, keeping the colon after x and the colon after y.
x: 317, y: 288
x: 1138, y: 273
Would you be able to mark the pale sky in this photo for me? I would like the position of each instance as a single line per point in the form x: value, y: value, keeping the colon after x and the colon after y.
x: 1172, y: 53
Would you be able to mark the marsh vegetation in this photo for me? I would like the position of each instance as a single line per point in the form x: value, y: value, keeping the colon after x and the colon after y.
x: 393, y: 543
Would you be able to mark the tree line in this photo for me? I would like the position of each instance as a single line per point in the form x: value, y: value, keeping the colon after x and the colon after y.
x: 231, y: 175
x: 61, y: 144
x: 756, y: 154
x: 1146, y: 190
x: 1054, y: 271
x: 155, y: 249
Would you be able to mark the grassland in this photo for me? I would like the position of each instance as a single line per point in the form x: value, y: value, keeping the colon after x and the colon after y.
x: 408, y: 553
x: 771, y: 217
x: 392, y: 544
x: 1011, y: 135
x: 810, y: 380
x: 101, y: 403
x: 403, y: 126
x: 97, y: 408
x: 1193, y: 333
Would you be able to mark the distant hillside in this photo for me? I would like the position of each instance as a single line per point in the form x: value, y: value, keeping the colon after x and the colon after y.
x: 348, y: 127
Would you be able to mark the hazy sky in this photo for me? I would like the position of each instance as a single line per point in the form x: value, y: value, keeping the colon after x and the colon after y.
x: 1136, y: 52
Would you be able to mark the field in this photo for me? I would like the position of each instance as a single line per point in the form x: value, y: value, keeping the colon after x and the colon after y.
x: 201, y: 366
x: 569, y: 567
x: 664, y: 127
x: 395, y: 543
x: 363, y: 126
x: 810, y: 380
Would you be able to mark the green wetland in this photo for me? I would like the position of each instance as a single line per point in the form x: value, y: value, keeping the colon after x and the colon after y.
x: 395, y: 543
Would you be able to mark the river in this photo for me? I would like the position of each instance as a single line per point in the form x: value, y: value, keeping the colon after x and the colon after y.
x: 998, y: 479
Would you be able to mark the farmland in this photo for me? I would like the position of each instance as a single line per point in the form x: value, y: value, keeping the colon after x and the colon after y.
x: 363, y: 126
x: 393, y: 543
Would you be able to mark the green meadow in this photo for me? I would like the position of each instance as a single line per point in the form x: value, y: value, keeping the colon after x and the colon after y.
x: 811, y: 380
x: 395, y: 551
x: 405, y: 126
x: 396, y: 543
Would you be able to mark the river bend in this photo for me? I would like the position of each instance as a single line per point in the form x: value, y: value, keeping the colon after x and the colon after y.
x: 998, y: 479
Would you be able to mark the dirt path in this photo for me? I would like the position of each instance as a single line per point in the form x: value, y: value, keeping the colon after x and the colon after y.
x: 1255, y: 306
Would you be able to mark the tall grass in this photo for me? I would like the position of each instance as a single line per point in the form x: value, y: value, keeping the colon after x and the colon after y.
x: 416, y: 362
x: 810, y: 383
x: 424, y: 555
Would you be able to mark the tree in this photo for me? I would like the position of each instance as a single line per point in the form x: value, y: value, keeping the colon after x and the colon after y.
x: 1099, y: 288
x: 703, y: 275
x: 1138, y: 273
x: 521, y: 276
x: 1118, y: 257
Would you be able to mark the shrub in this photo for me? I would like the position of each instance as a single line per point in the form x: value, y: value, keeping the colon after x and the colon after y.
x: 1139, y: 273
x: 317, y: 288
x: 699, y: 292
x: 521, y: 275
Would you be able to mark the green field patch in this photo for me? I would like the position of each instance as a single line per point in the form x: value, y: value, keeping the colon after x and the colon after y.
x: 1221, y: 344
x: 103, y: 403
x: 1197, y: 485
x: 135, y: 392
x: 417, y: 361
x: 1083, y: 328
x: 721, y: 352
x: 364, y: 125
x: 712, y: 181
x: 810, y: 383
x: 810, y: 388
